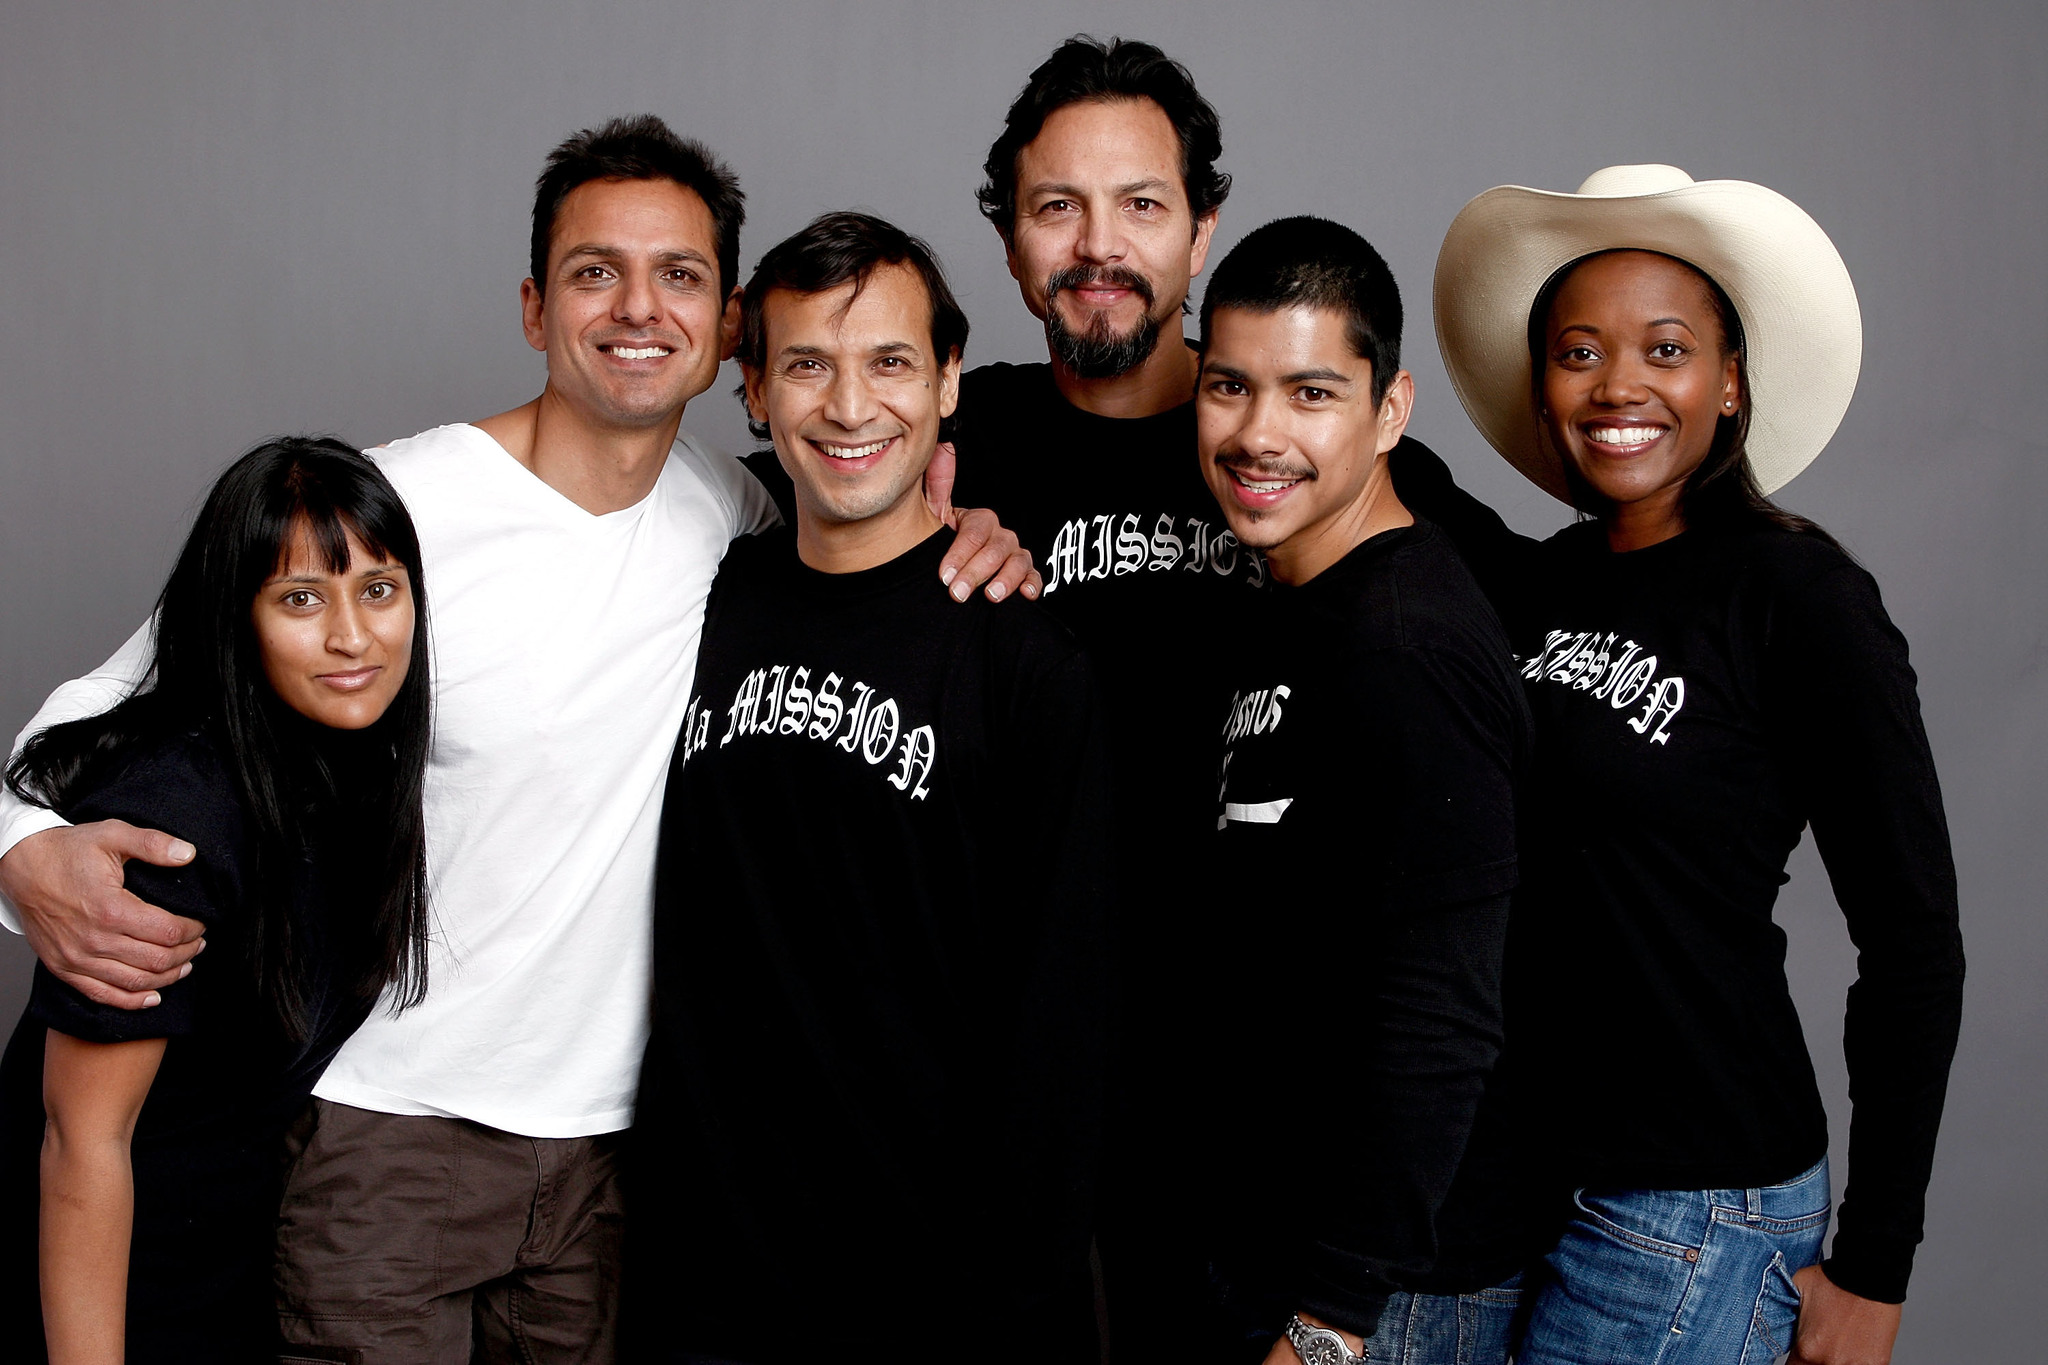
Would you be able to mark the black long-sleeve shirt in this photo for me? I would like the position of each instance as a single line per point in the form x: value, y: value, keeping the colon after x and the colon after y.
x: 869, y: 1114
x: 1362, y: 859
x: 1698, y: 704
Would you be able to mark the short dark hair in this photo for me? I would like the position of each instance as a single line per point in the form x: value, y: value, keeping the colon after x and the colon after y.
x: 641, y: 147
x: 835, y: 249
x: 1086, y: 68
x: 1308, y: 262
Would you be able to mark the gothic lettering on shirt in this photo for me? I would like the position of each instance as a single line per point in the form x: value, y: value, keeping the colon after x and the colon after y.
x: 1109, y: 545
x: 779, y: 700
x: 1256, y: 712
x: 1613, y: 670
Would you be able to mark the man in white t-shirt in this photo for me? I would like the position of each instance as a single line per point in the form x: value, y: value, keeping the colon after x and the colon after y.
x: 457, y: 1186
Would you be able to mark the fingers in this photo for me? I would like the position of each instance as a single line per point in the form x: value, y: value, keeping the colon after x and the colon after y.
x: 938, y: 482
x: 985, y: 567
x: 146, y: 995
x: 149, y: 845
x: 119, y: 917
x: 972, y: 559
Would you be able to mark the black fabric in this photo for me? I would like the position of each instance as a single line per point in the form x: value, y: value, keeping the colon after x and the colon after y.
x: 1361, y: 852
x: 208, y: 1146
x: 869, y: 1117
x: 1698, y: 704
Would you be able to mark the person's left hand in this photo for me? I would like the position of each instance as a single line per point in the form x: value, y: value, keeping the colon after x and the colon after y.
x: 1840, y: 1328
x: 1283, y: 1352
x: 983, y: 552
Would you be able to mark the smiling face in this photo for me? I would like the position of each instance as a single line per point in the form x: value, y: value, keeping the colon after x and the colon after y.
x: 853, y: 396
x: 1636, y: 375
x: 1104, y: 245
x: 1291, y: 442
x: 336, y: 646
x: 634, y: 319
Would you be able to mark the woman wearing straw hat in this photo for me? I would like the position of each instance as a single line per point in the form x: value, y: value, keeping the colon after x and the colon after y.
x: 1709, y: 674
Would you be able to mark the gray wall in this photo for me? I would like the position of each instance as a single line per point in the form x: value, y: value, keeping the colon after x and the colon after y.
x: 221, y: 220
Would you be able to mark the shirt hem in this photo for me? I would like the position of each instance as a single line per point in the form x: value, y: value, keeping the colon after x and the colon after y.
x: 521, y: 1125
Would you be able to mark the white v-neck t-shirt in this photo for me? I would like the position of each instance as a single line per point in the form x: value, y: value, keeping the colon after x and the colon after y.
x: 563, y: 648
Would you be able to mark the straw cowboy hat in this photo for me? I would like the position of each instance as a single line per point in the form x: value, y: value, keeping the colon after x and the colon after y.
x: 1800, y: 320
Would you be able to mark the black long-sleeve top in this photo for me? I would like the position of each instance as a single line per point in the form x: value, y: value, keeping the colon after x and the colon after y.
x: 868, y: 1118
x: 1698, y: 704
x: 1362, y: 859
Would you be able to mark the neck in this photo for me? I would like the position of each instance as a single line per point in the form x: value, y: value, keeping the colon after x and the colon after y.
x: 831, y: 546
x: 598, y: 466
x: 1639, y: 525
x: 1376, y: 510
x: 1162, y: 382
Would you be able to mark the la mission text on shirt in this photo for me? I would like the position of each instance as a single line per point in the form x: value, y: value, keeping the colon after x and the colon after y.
x: 779, y: 700
x: 1105, y: 544
x: 1585, y: 661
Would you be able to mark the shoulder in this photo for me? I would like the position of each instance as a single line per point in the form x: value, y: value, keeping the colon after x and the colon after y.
x: 737, y: 488
x: 1435, y: 602
x: 181, y: 784
x: 1000, y: 381
x: 432, y: 450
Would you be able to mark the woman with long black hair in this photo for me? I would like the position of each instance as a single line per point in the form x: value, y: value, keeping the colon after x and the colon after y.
x: 282, y: 732
x: 1709, y: 675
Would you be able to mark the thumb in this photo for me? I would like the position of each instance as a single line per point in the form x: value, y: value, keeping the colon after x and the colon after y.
x: 124, y: 840
x: 938, y: 481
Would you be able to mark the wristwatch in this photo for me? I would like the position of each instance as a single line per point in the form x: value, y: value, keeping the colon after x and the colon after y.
x: 1321, y: 1346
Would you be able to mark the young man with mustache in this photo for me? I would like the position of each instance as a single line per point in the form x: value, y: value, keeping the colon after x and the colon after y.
x: 869, y: 1111
x: 1361, y: 853
x: 459, y: 1190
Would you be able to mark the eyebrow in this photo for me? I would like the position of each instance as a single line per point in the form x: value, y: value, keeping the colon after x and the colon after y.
x: 880, y: 348
x: 1327, y: 376
x: 375, y: 570
x: 1153, y: 184
x: 603, y: 251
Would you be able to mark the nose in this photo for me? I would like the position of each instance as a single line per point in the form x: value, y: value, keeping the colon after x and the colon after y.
x: 1102, y: 239
x: 849, y: 403
x: 636, y: 302
x: 1622, y: 382
x: 1263, y: 435
x: 348, y: 632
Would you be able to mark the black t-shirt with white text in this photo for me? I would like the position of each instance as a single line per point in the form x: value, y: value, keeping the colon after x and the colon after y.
x: 1360, y: 857
x: 869, y: 1112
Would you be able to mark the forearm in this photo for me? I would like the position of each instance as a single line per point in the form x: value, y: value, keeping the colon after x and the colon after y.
x: 88, y: 1210
x: 90, y: 695
x: 1427, y: 1042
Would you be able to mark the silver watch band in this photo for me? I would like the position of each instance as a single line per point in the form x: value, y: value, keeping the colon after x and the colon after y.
x: 1321, y: 1346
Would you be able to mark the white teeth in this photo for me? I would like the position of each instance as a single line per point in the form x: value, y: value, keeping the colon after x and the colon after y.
x: 639, y: 352
x: 852, y: 452
x: 1625, y: 436
x: 1269, y: 486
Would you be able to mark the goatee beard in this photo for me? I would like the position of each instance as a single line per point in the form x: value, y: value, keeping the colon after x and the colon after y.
x: 1099, y: 353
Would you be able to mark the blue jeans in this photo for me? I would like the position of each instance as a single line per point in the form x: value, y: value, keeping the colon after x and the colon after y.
x: 1447, y: 1329
x: 1679, y: 1277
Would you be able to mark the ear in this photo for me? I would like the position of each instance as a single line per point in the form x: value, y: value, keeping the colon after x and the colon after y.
x: 531, y: 307
x: 757, y: 403
x: 1731, y: 387
x: 1205, y: 232
x: 949, y: 384
x: 1009, y: 249
x: 729, y: 324
x: 1394, y: 411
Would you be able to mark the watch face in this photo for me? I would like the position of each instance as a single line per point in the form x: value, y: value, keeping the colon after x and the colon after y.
x: 1320, y: 1346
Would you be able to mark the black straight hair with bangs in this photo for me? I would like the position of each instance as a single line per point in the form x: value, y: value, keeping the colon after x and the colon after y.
x: 207, y: 677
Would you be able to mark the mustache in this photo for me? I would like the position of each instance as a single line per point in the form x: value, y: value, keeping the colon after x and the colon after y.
x: 1114, y: 276
x: 1263, y: 471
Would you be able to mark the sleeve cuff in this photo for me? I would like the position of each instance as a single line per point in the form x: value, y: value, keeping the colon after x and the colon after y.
x: 1880, y: 1278
x: 18, y: 820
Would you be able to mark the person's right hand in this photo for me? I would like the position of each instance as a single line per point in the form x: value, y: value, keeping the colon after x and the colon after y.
x: 83, y: 922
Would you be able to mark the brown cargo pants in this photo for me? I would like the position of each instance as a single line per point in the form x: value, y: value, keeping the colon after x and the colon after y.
x: 431, y: 1241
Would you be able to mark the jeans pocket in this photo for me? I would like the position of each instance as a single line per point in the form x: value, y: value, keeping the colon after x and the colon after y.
x: 1620, y: 1218
x: 1776, y: 1315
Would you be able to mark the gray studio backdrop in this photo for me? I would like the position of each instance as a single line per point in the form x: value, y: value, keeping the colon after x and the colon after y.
x: 221, y: 220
